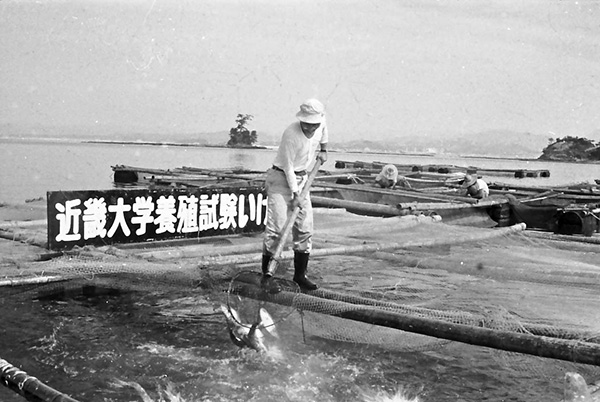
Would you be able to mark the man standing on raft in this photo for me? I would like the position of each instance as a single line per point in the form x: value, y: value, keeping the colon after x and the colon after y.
x: 284, y: 180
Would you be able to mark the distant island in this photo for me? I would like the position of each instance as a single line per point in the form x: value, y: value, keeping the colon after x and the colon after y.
x: 571, y: 149
x: 501, y: 144
x: 173, y: 144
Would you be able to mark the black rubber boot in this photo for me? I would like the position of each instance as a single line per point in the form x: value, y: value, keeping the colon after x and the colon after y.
x: 267, y: 282
x: 266, y: 259
x: 300, y: 267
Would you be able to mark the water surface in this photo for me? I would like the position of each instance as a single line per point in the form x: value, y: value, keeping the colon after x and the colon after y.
x: 33, y: 168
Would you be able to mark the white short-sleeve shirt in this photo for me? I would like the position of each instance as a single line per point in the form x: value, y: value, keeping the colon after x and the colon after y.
x: 297, y: 152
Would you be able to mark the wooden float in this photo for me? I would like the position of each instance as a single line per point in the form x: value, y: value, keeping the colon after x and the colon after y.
x: 568, y: 209
x: 350, y: 187
x: 378, y: 195
x: 441, y: 168
x: 426, y: 187
x: 582, y: 194
x: 576, y: 351
x: 437, y: 182
x: 186, y: 176
x: 374, y: 201
x: 516, y: 173
x: 339, y: 164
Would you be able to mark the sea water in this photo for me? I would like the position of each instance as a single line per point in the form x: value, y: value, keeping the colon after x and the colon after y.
x: 85, y: 345
x: 31, y: 168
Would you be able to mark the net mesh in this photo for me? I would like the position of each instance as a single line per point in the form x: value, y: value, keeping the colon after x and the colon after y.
x: 511, y: 281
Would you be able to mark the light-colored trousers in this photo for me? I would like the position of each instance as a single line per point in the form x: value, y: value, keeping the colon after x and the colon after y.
x: 279, y: 207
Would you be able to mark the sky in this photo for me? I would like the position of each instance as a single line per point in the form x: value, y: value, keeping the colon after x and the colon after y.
x: 383, y: 68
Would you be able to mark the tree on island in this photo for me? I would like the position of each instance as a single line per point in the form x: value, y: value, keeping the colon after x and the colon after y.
x: 571, y: 148
x: 240, y: 136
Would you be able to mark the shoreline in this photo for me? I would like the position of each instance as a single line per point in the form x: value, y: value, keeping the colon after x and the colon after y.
x: 169, y: 144
x: 55, y: 140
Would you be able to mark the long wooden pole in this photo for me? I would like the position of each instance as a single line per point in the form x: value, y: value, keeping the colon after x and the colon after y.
x: 466, y: 318
x: 367, y: 207
x: 424, y: 206
x: 412, y: 194
x: 567, y: 192
x: 27, y: 236
x: 287, y: 228
x: 559, y: 237
x: 244, y: 258
x: 576, y: 351
x: 35, y: 280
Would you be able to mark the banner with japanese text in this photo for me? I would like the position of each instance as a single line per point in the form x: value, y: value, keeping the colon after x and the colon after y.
x: 99, y: 217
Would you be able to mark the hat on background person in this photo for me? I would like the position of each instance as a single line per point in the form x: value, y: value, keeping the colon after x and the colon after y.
x: 390, y: 172
x: 311, y: 111
x: 469, y: 181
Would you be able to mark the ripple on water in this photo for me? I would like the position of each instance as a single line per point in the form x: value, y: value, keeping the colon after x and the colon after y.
x: 80, y: 346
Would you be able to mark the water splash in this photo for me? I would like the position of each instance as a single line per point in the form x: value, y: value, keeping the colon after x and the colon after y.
x: 49, y: 343
x: 166, y: 394
x: 400, y: 395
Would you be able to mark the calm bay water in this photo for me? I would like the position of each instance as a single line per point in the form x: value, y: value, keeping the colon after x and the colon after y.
x: 29, y: 169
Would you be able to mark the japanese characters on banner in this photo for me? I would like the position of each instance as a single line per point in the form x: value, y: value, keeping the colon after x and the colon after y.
x: 78, y: 218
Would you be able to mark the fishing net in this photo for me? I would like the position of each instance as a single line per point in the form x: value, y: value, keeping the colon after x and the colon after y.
x: 387, y: 283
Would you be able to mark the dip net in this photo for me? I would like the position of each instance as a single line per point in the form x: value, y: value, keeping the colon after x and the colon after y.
x: 527, y: 301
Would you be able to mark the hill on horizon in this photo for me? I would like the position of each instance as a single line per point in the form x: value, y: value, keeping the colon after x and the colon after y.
x: 501, y: 143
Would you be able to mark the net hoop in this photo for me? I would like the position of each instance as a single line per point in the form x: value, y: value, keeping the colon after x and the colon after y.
x: 259, y: 304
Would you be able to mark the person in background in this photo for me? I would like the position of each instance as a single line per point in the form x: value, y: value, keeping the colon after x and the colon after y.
x: 476, y: 188
x: 295, y: 156
x: 388, y: 177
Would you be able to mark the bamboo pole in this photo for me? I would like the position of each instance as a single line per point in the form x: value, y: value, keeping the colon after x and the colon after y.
x: 559, y: 237
x: 29, y: 387
x: 454, y: 316
x: 33, y: 257
x: 287, y: 228
x: 22, y: 224
x: 286, y: 255
x: 36, y: 280
x: 209, y: 250
x: 564, y: 277
x: 364, y: 225
x: 330, y: 177
x: 141, y: 170
x: 539, y: 196
x: 513, y: 172
x: 446, y: 205
x: 375, y: 209
x: 538, y: 189
x: 200, y: 251
x: 568, y: 193
x: 396, y: 191
x: 542, y: 346
x: 414, y: 194
x: 256, y: 175
x: 35, y: 238
x: 465, y: 318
